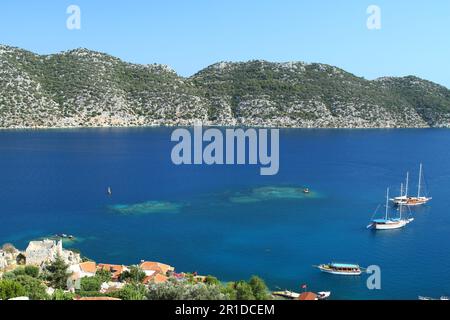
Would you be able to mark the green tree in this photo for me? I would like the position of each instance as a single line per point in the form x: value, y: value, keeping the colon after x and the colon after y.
x: 61, y: 295
x: 189, y: 277
x: 229, y: 291
x: 57, y: 274
x: 34, y: 288
x: 10, y: 289
x: 91, y: 283
x: 212, y: 280
x: 243, y: 291
x: 259, y: 288
x: 132, y: 292
x: 19, y: 271
x: 32, y: 271
x: 105, y: 275
x: 185, y: 291
x: 10, y: 275
x: 134, y: 275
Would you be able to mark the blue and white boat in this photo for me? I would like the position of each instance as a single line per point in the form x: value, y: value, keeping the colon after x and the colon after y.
x: 345, y: 269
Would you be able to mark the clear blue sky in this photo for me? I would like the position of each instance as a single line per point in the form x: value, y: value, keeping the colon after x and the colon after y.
x: 189, y: 35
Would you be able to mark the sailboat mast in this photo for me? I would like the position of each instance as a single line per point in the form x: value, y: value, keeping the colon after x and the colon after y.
x: 401, y: 207
x: 387, y: 202
x: 401, y: 190
x: 407, y: 184
x: 420, y: 181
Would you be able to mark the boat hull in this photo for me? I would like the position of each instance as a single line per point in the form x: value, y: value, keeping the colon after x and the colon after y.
x: 411, y: 202
x: 323, y: 295
x: 389, y: 226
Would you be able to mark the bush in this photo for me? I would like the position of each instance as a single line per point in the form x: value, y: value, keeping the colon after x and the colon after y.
x: 212, y: 280
x: 34, y: 288
x: 229, y: 291
x: 132, y: 292
x: 91, y: 283
x: 254, y: 289
x: 10, y: 289
x: 185, y: 291
x: 10, y: 275
x: 135, y: 275
x: 32, y: 271
x: 61, y: 295
x: 243, y: 291
x: 259, y: 288
x: 105, y: 275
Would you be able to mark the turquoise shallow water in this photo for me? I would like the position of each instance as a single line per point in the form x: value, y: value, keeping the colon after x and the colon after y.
x: 228, y: 220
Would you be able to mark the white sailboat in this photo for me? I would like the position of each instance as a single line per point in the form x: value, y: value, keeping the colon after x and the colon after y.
x: 388, y: 223
x: 409, y: 201
x: 403, y: 196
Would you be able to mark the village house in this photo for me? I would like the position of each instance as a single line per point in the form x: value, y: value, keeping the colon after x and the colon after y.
x: 155, y: 278
x: 108, y: 287
x: 150, y: 268
x: 115, y: 269
x: 83, y: 269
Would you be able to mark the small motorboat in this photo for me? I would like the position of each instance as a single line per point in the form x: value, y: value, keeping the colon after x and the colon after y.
x: 64, y: 236
x: 443, y: 298
x: 323, y: 295
x: 345, y: 269
x: 109, y: 191
x: 306, y: 190
x: 286, y: 294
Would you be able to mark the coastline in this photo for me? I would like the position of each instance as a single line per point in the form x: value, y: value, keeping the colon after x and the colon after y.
x: 44, y: 128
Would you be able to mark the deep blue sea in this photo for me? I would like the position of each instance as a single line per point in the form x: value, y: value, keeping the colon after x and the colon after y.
x: 230, y: 221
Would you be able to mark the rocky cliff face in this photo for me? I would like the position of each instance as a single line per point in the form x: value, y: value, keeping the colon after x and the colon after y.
x: 85, y: 88
x: 39, y: 253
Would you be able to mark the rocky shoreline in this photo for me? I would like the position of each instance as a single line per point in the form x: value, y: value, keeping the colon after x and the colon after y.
x: 193, y: 123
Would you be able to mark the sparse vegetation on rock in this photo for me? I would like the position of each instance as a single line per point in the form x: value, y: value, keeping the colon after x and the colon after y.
x: 85, y: 88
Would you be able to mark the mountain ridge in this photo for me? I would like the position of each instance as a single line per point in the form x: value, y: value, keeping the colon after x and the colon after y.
x: 84, y: 88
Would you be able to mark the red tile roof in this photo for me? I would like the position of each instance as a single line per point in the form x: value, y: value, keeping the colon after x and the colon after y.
x: 115, y: 269
x: 156, y: 266
x: 307, y: 296
x: 88, y: 266
x: 156, y: 278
